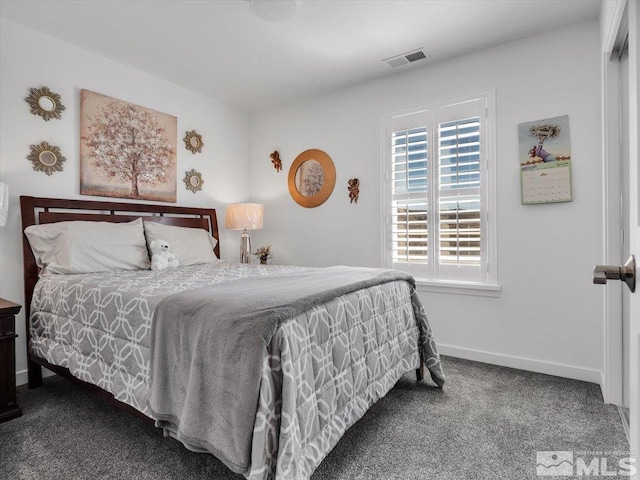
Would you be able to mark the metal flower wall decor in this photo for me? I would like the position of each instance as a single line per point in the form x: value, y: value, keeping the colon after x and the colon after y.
x: 193, y: 142
x: 193, y: 180
x: 45, y: 103
x: 46, y: 158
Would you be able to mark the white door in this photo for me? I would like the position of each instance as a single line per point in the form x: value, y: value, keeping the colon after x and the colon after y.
x: 627, y: 93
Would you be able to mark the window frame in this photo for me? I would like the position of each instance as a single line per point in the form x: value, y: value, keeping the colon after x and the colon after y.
x: 428, y: 277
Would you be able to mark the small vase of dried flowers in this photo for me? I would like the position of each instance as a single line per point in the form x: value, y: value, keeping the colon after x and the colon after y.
x: 264, y: 254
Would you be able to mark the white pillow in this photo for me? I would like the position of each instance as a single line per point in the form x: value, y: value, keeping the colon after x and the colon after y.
x: 85, y: 247
x: 191, y: 246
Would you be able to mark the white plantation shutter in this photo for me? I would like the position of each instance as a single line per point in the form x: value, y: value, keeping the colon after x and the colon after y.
x: 459, y: 191
x: 437, y: 163
x: 409, y: 196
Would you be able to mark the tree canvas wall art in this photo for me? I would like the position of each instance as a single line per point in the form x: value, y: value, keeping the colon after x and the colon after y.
x: 126, y: 151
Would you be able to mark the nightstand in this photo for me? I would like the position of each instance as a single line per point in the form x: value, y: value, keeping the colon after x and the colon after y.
x: 8, y: 403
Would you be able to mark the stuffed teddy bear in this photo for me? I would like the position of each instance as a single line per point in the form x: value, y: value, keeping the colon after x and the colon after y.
x: 161, y: 258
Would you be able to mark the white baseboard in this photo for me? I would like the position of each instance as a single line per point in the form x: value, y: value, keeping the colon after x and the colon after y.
x: 22, y: 378
x: 538, y: 366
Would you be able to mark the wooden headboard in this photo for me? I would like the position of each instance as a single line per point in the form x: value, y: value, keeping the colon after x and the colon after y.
x: 37, y: 211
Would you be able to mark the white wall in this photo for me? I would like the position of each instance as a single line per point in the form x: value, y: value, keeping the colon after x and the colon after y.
x: 548, y: 316
x: 31, y: 59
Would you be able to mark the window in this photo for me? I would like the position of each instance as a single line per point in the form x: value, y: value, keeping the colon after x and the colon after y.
x: 438, y: 172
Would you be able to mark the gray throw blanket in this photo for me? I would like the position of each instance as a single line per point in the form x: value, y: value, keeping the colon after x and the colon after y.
x: 208, y: 347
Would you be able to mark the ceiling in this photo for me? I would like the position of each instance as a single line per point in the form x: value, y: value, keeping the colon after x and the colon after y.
x: 220, y: 49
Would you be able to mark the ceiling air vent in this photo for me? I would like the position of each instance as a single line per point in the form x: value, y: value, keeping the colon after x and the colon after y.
x: 406, y: 58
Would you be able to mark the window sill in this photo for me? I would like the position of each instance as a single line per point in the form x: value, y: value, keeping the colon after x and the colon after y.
x: 458, y: 288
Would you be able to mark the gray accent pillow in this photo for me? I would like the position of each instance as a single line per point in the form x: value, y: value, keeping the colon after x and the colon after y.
x: 191, y: 246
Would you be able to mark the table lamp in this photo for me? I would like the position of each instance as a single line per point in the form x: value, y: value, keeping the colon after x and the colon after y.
x: 244, y: 216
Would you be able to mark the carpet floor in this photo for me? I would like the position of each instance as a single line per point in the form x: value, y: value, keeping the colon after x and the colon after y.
x: 487, y: 423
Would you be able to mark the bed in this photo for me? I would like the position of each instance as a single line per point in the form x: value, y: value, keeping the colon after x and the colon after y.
x: 265, y: 367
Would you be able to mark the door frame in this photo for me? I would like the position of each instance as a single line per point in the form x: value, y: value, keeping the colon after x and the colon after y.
x: 612, y: 372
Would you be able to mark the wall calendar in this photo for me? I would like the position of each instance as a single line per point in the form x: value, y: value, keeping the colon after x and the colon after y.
x: 545, y: 161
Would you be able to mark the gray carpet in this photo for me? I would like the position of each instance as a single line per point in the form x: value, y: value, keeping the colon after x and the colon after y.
x: 487, y: 423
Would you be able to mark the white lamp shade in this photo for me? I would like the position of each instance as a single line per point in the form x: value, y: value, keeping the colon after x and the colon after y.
x: 244, y: 216
x: 4, y: 203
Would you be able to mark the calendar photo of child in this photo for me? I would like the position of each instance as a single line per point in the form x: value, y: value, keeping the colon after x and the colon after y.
x: 545, y: 161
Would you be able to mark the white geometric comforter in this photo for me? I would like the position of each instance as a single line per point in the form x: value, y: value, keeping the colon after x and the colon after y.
x: 323, y: 370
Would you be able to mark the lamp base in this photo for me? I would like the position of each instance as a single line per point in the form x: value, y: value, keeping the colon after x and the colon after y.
x: 245, y: 248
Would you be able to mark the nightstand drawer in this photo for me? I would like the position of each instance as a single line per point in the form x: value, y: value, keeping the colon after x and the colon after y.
x: 7, y: 327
